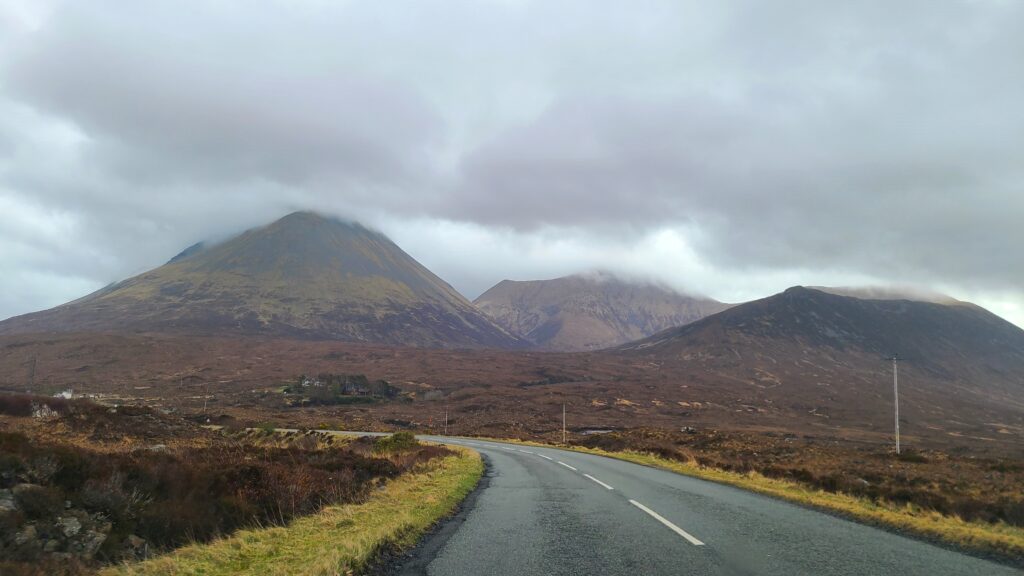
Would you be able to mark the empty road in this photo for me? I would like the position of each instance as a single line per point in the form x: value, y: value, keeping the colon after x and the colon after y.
x: 545, y: 511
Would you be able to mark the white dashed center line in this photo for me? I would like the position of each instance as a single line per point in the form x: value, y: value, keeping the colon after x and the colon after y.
x: 599, y: 482
x: 566, y: 465
x: 670, y: 525
x: 546, y: 457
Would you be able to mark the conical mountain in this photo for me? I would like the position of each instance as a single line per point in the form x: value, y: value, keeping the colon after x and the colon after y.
x: 589, y: 311
x: 304, y: 275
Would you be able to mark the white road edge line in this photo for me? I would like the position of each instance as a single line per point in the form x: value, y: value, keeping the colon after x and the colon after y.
x: 546, y: 457
x: 599, y: 482
x: 670, y: 525
x: 567, y: 466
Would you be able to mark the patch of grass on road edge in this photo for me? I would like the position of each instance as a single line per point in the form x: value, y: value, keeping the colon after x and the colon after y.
x: 341, y: 539
x: 999, y: 538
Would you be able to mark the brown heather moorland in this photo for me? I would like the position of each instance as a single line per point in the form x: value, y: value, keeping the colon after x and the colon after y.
x: 514, y: 394
x: 84, y: 485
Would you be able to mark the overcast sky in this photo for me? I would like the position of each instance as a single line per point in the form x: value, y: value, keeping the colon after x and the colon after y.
x: 726, y: 148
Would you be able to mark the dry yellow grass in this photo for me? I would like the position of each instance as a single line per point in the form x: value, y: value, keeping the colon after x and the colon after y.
x: 339, y: 539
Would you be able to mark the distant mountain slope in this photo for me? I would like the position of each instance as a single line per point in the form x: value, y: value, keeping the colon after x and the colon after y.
x: 303, y: 275
x: 888, y: 293
x: 826, y: 353
x: 926, y: 333
x: 589, y: 312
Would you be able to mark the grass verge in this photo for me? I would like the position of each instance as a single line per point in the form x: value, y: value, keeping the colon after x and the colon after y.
x: 998, y: 539
x: 339, y: 539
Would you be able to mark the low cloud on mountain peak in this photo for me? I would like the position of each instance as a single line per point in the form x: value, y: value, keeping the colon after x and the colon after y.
x: 724, y: 148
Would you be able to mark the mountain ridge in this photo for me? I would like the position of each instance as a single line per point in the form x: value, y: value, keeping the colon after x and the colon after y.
x: 304, y: 275
x: 804, y: 334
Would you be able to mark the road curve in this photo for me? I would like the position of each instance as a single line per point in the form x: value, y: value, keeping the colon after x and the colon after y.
x: 548, y: 512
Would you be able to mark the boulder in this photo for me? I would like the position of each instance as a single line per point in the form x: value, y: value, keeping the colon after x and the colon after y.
x: 136, y: 547
x: 7, y: 501
x: 134, y: 541
x: 26, y: 535
x: 69, y: 525
x: 90, y: 543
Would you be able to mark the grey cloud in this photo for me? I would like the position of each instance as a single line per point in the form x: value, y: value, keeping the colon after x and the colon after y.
x: 866, y: 139
x: 850, y: 145
x: 173, y: 100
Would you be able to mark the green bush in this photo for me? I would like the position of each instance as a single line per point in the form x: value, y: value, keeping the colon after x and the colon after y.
x: 397, y: 442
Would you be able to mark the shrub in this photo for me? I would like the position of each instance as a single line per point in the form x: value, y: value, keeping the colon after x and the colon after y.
x: 16, y: 404
x: 1012, y: 511
x: 396, y: 442
x: 106, y: 496
x: 912, y: 456
x: 38, y: 501
x: 11, y: 467
x: 1006, y: 467
x: 74, y: 468
x: 23, y: 404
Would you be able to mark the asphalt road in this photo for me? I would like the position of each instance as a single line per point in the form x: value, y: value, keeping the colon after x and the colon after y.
x: 549, y: 512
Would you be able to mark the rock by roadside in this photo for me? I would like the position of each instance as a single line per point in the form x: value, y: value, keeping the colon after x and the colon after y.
x: 36, y: 529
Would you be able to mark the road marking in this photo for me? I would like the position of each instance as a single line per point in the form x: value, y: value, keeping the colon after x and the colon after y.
x: 546, y: 457
x: 670, y: 525
x: 526, y: 452
x: 566, y: 465
x: 509, y: 449
x: 599, y: 482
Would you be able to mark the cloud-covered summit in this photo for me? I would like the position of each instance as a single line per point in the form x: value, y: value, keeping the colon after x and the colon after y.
x: 710, y: 145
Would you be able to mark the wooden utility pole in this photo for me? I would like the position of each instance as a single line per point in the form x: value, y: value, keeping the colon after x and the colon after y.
x: 896, y: 398
x: 563, y: 422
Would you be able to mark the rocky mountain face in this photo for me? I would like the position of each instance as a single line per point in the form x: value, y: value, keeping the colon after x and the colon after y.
x: 303, y: 276
x: 589, y: 312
